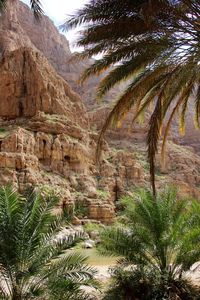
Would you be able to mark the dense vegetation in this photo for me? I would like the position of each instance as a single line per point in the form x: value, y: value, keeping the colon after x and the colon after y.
x: 158, y: 242
x: 34, y: 263
x: 155, y: 47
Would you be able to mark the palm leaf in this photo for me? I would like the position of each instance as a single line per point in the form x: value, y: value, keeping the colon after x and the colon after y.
x: 197, y: 107
x: 31, y: 252
x: 135, y: 37
x: 36, y: 7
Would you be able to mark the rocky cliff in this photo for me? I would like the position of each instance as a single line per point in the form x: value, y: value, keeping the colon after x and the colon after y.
x: 48, y: 132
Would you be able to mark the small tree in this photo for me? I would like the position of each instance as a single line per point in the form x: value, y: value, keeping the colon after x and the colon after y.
x: 34, y: 263
x: 159, y: 241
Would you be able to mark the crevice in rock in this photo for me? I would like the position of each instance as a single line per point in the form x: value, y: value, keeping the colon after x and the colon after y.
x: 67, y: 158
x: 44, y: 146
x: 24, y: 87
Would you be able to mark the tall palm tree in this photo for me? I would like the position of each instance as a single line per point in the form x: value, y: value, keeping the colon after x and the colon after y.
x: 158, y: 242
x: 34, y: 262
x: 155, y: 46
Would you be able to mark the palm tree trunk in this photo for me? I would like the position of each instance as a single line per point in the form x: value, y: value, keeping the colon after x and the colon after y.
x: 16, y: 294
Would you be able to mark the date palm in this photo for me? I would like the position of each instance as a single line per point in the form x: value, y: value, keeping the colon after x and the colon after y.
x: 155, y: 47
x: 34, y: 262
x: 158, y: 242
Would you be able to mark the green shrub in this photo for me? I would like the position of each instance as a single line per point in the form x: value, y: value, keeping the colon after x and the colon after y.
x: 89, y: 227
x: 146, y: 284
x: 103, y: 194
x: 80, y: 209
x: 160, y: 238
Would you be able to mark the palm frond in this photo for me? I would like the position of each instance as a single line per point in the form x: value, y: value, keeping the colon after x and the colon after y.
x: 134, y: 37
x: 197, y: 107
x: 2, y: 4
x: 157, y: 234
x: 136, y: 91
x: 31, y: 251
x: 152, y: 139
x: 37, y: 9
x: 183, y: 98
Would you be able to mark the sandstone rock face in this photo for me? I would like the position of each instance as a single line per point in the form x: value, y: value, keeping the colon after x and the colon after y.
x: 45, y: 138
x: 12, y: 35
x: 29, y: 85
x: 126, y: 135
x: 48, y: 139
x: 55, y: 48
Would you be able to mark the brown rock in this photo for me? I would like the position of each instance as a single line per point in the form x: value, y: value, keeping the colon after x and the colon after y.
x: 76, y: 221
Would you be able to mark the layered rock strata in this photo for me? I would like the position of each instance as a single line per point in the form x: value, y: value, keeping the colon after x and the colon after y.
x: 47, y: 137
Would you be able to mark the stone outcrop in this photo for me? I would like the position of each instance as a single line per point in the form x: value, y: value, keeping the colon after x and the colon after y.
x: 56, y: 49
x: 45, y: 137
x: 29, y: 85
x: 48, y: 137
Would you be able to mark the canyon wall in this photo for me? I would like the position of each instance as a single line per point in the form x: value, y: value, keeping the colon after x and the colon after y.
x: 48, y: 132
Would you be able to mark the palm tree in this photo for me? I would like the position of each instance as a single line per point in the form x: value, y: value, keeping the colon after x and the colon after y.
x: 158, y: 242
x: 155, y: 47
x: 34, y: 262
x: 36, y: 7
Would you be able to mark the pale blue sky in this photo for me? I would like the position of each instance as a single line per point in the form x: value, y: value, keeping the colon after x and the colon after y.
x: 58, y: 10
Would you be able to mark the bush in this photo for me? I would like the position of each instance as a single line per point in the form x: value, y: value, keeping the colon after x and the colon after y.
x: 158, y: 240
x: 146, y: 284
x: 89, y: 227
x: 103, y: 194
x: 80, y: 209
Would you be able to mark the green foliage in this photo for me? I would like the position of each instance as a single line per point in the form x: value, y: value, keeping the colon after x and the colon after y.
x: 35, y: 262
x: 89, y: 227
x: 158, y: 240
x: 152, y: 46
x: 94, y: 128
x: 80, y: 209
x: 4, y: 132
x: 2, y: 4
x: 141, y: 157
x: 103, y: 194
x: 145, y: 284
x: 158, y: 171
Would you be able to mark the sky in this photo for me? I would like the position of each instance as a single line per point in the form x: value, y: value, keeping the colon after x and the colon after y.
x: 58, y: 10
